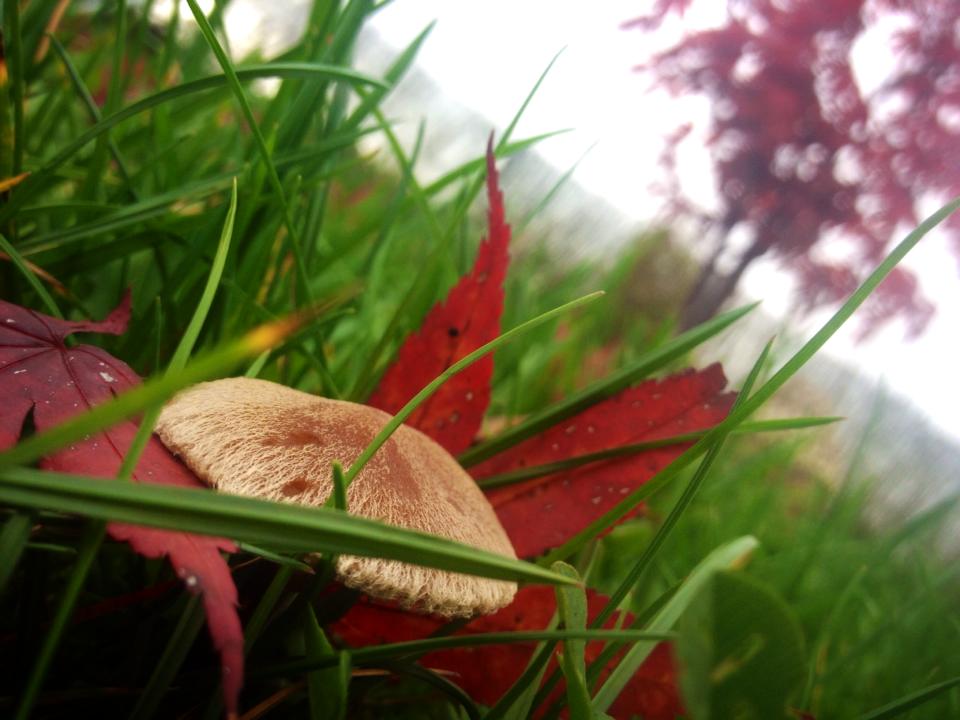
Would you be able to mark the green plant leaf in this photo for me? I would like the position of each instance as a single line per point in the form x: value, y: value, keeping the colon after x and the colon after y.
x: 741, y: 651
x: 572, y: 606
x: 279, y: 526
x: 730, y: 555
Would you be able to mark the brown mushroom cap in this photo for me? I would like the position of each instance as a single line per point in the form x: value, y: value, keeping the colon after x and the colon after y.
x: 257, y: 438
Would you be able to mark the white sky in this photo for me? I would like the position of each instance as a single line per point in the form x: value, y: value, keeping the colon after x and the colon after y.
x: 488, y: 53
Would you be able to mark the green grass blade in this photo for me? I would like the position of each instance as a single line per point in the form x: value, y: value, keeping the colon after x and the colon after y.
x: 181, y: 640
x: 552, y: 192
x: 461, y: 364
x: 268, y: 601
x: 89, y: 546
x: 478, y: 164
x: 326, y: 690
x: 406, y: 168
x: 31, y: 277
x: 508, y: 133
x: 190, y: 335
x: 395, y: 73
x: 233, y: 81
x: 213, y: 82
x: 517, y: 702
x: 909, y: 702
x: 93, y: 110
x: 747, y: 428
x: 617, y: 381
x: 13, y: 540
x: 15, y: 74
x: 730, y: 555
x: 378, y: 653
x: 281, y: 527
x: 187, y: 342
x: 650, y: 551
x: 572, y: 607
x: 683, y: 502
x: 276, y: 558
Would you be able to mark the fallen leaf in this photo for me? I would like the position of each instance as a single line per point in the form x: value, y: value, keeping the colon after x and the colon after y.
x: 565, y: 503
x: 486, y: 672
x: 40, y: 375
x: 466, y: 320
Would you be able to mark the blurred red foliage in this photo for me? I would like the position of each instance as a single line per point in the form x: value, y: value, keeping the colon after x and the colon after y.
x: 810, y: 167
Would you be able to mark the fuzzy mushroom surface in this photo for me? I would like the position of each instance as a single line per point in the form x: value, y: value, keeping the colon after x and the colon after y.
x: 257, y: 438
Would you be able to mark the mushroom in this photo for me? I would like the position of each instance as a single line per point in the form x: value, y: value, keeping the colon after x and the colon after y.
x: 257, y: 438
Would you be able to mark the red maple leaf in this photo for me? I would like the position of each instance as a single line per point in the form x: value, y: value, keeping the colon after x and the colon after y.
x: 467, y: 319
x: 569, y: 501
x: 544, y: 512
x: 39, y: 374
x: 486, y: 672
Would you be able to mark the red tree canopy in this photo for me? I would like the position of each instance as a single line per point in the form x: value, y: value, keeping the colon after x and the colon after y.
x: 807, y: 161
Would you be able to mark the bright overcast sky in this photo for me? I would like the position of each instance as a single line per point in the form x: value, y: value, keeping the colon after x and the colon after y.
x: 486, y: 54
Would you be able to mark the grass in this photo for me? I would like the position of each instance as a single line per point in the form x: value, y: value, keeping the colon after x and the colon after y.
x: 256, y: 238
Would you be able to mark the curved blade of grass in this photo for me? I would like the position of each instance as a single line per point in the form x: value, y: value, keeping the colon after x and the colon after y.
x: 193, y: 614
x: 766, y: 391
x: 13, y: 541
x: 233, y: 81
x: 93, y: 110
x: 379, y: 653
x: 212, y: 82
x: 465, y: 362
x: 479, y: 163
x: 683, y: 502
x: 747, y: 428
x: 669, y: 523
x: 572, y: 607
x: 276, y: 558
x: 326, y: 689
x: 181, y: 640
x: 130, y: 214
x: 406, y: 168
x: 185, y: 347
x: 553, y: 191
x: 279, y: 526
x: 96, y: 167
x: 452, y: 691
x: 394, y: 74
x: 645, y: 365
x: 909, y: 702
x: 13, y: 75
x: 729, y: 555
x: 30, y: 276
x: 89, y: 546
x: 643, y: 562
x: 471, y: 192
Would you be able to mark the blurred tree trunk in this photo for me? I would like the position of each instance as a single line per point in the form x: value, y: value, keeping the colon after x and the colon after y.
x: 713, y: 288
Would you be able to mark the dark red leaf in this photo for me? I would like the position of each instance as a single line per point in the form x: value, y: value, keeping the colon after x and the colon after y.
x: 564, y: 503
x: 466, y: 320
x: 487, y: 672
x: 39, y: 373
